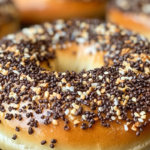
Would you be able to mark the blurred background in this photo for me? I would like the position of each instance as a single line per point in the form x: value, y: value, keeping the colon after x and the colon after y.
x: 16, y: 14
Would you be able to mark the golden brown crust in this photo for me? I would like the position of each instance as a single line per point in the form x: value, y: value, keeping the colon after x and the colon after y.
x: 96, y: 138
x: 46, y: 10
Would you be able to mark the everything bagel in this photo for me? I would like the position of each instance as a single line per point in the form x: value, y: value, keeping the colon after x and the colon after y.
x: 104, y: 106
x: 133, y: 15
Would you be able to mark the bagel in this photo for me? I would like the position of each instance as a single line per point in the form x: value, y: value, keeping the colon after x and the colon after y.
x: 48, y: 10
x: 44, y: 106
x: 133, y: 15
x: 9, y: 19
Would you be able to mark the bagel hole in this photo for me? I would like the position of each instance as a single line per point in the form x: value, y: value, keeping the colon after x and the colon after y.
x: 78, y: 65
x: 74, y: 59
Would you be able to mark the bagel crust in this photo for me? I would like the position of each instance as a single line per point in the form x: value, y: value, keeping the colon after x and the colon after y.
x: 133, y: 15
x: 9, y: 19
x: 42, y: 106
x: 37, y: 11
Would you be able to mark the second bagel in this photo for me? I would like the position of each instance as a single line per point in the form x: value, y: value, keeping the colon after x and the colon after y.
x: 33, y: 11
